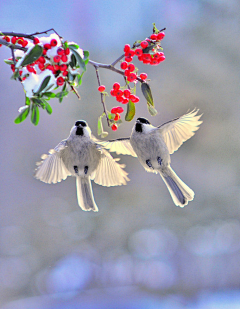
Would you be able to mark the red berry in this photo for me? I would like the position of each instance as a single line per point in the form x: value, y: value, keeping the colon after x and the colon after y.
x: 117, y: 109
x: 160, y: 36
x: 101, y: 88
x: 125, y: 101
x: 60, y: 81
x: 124, y: 65
x: 134, y: 98
x: 47, y: 46
x: 162, y: 58
x: 128, y: 58
x: 57, y: 59
x: 64, y: 58
x: 131, y: 67
x: 14, y: 40
x: 63, y: 67
x: 113, y: 92
x: 127, y: 93
x: 154, y: 61
x: 127, y: 47
x: 114, y: 127
x: 143, y: 76
x: 140, y: 58
x: 114, y: 110
x: 56, y: 67
x: 67, y: 51
x: 116, y: 86
x: 50, y: 67
x: 41, y: 66
x: 24, y: 43
x: 29, y: 68
x: 119, y: 93
x: 42, y: 60
x: 60, y: 51
x: 44, y: 52
x: 7, y: 39
x: 65, y: 73
x: 127, y: 72
x: 119, y: 98
x: 144, y: 44
x: 53, y: 42
x: 36, y: 40
x: 20, y: 41
x: 117, y: 117
x: 132, y: 77
x: 13, y: 67
x: 153, y: 37
x: 130, y: 53
x: 0, y: 45
x: 138, y: 52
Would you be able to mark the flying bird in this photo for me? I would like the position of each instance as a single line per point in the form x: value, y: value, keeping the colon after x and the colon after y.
x: 81, y: 155
x: 153, y: 146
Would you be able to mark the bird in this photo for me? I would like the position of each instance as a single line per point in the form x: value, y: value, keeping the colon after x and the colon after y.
x: 81, y: 155
x: 153, y: 146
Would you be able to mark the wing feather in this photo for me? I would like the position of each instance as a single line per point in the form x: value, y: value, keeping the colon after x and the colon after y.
x: 52, y: 169
x: 120, y: 146
x: 178, y: 130
x: 109, y: 172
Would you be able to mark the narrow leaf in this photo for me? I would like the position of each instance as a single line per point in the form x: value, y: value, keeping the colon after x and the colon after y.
x: 146, y: 90
x: 8, y: 61
x: 152, y: 111
x: 43, y: 85
x: 61, y: 95
x: 27, y: 102
x: 35, y: 114
x: 86, y: 56
x: 74, y: 46
x: 48, y: 108
x: 100, y: 128
x: 31, y: 56
x: 23, y: 115
x: 49, y: 94
x: 130, y: 111
x: 79, y: 59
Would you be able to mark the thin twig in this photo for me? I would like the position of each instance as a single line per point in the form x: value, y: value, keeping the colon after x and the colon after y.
x: 45, y: 32
x: 8, y: 44
x: 102, y: 95
x: 23, y: 35
x: 14, y: 61
x: 117, y: 60
x: 75, y: 91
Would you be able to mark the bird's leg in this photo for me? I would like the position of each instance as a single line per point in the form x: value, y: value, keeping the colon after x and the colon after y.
x: 75, y: 169
x: 85, y: 170
x: 159, y: 160
x: 149, y: 164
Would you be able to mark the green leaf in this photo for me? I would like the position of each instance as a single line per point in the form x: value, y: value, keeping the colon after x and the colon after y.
x: 152, y: 111
x: 86, y: 56
x: 31, y: 56
x: 35, y: 114
x: 39, y: 102
x: 79, y: 59
x: 79, y: 78
x: 23, y: 115
x: 146, y: 90
x: 73, y: 62
x: 65, y: 45
x: 43, y: 85
x: 61, y: 95
x: 100, y: 128
x: 49, y: 94
x: 48, y: 108
x: 130, y: 111
x: 8, y: 61
x: 15, y: 75
x: 74, y: 46
x: 27, y: 102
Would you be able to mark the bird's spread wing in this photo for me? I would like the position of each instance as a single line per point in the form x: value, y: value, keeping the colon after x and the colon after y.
x: 109, y: 172
x: 178, y: 130
x: 120, y: 146
x: 52, y: 169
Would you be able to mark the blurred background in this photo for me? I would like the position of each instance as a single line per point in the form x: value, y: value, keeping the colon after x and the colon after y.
x: 139, y: 251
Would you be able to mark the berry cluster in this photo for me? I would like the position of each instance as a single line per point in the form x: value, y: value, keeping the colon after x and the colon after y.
x: 56, y: 57
x: 15, y: 40
x: 115, y: 114
x: 123, y: 96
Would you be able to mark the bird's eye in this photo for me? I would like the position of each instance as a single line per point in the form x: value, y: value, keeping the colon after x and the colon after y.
x: 143, y: 120
x: 80, y: 123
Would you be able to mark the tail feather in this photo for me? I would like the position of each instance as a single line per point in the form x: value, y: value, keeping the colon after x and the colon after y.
x: 85, y: 194
x: 179, y: 191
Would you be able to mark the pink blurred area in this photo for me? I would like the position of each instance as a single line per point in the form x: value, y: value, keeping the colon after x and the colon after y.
x: 139, y: 250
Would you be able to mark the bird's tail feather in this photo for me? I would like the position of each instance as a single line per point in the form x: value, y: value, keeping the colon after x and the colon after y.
x: 179, y: 191
x: 85, y: 194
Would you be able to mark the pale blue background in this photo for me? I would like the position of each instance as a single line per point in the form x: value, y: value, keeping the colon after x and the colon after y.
x: 139, y: 251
